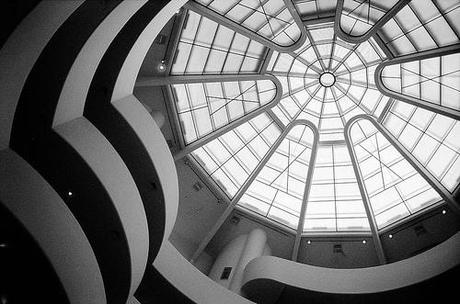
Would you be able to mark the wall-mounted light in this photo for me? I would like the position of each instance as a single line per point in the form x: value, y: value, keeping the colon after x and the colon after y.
x: 390, y: 236
x: 70, y: 193
x: 444, y: 211
x: 364, y: 242
x: 161, y: 67
x: 308, y: 242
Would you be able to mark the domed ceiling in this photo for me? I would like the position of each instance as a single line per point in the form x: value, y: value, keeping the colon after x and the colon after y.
x: 322, y: 120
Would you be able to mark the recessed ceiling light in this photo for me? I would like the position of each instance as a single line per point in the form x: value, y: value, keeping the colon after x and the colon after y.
x: 161, y: 66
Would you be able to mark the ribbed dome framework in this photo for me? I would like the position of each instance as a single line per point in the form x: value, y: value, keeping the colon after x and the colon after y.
x: 333, y: 150
x: 350, y: 90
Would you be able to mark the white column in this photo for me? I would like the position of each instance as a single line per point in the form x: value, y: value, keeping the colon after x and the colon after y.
x: 253, y: 248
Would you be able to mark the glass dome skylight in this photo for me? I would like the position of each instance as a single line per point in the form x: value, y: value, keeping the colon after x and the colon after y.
x: 321, y: 121
x: 328, y: 81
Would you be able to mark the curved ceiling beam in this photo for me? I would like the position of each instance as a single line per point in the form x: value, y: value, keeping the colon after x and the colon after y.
x: 308, y: 181
x: 455, y: 114
x: 375, y: 28
x: 249, y: 181
x: 224, y: 78
x: 217, y: 17
x: 362, y: 189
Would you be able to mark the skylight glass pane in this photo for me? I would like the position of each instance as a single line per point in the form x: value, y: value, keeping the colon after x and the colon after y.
x: 206, y: 107
x: 358, y: 17
x: 270, y: 19
x: 435, y: 80
x: 206, y: 47
x: 278, y: 190
x: 422, y: 25
x: 231, y: 158
x: 334, y: 203
x: 394, y: 187
x: 433, y: 139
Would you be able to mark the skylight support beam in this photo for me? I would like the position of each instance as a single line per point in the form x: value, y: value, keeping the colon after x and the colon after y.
x: 174, y: 118
x: 376, y: 27
x: 455, y: 114
x: 362, y: 189
x: 381, y: 44
x: 308, y: 64
x: 315, y: 49
x: 174, y: 40
x: 245, y: 186
x: 278, y: 121
x: 212, y: 15
x: 385, y: 110
x: 298, y: 20
x: 268, y: 57
x: 170, y: 80
x: 308, y: 22
x: 186, y: 149
x: 311, y: 166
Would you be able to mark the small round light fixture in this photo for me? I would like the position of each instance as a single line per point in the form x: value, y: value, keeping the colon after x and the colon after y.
x: 161, y: 67
x: 327, y: 79
x: 390, y: 236
x: 308, y: 242
x: 70, y: 193
x: 444, y: 211
x: 364, y: 242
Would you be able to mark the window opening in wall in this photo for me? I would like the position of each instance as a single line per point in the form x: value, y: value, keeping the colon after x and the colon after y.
x: 226, y: 273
